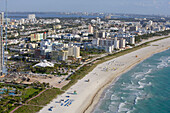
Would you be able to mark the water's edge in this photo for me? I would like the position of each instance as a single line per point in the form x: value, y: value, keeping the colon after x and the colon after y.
x: 112, y: 84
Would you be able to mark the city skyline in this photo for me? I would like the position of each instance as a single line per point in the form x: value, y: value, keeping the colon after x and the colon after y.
x: 61, y: 57
x: 157, y: 7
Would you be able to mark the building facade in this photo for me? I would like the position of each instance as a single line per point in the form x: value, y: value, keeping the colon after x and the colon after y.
x: 1, y: 43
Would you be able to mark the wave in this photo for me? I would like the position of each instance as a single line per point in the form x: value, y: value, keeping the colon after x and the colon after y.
x: 137, y: 99
x: 113, y: 97
x: 112, y: 108
x: 143, y: 79
x: 123, y: 84
x: 141, y: 87
x: 164, y: 62
x: 150, y: 83
x: 128, y: 112
x: 162, y: 65
x: 133, y: 88
x: 138, y: 75
x: 149, y: 71
x: 142, y: 84
x: 122, y: 107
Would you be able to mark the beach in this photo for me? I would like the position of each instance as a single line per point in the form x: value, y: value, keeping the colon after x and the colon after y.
x: 85, y: 94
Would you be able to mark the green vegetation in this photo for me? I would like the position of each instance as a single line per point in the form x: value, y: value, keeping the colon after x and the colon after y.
x: 28, y: 109
x: 36, y: 104
x: 87, y: 68
x: 46, y: 97
x: 42, y: 70
x: 8, y: 103
x: 86, y: 52
x: 30, y: 92
x: 22, y: 94
x: 139, y: 38
x: 78, y: 75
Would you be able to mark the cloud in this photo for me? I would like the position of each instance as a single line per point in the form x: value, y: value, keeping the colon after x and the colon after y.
x: 169, y: 3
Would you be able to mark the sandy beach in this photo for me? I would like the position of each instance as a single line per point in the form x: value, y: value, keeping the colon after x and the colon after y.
x: 89, y: 89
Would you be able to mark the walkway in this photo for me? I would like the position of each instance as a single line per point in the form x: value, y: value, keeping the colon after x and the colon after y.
x: 28, y: 100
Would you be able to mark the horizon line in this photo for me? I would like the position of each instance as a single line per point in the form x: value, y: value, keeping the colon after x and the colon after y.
x: 101, y: 13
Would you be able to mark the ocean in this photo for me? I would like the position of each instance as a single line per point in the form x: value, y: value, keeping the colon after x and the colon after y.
x: 53, y: 15
x: 143, y: 89
x: 46, y: 15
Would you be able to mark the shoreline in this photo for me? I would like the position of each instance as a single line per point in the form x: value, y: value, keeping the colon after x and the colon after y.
x: 101, y: 92
x: 88, y: 96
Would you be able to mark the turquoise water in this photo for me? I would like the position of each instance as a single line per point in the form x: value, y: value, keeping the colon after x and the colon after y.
x: 144, y: 89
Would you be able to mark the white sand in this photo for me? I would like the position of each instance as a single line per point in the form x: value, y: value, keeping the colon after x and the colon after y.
x: 88, y: 93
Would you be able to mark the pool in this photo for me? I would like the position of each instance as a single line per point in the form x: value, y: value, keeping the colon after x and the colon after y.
x: 3, y: 89
x: 12, y: 94
x: 1, y: 92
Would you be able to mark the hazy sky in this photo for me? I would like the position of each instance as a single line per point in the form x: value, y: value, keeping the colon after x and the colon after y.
x: 110, y: 6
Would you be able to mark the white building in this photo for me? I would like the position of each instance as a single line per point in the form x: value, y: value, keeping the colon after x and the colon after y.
x: 107, y: 44
x: 61, y: 55
x: 45, y: 47
x: 44, y: 63
x: 74, y: 51
x: 122, y: 43
x: 2, y: 17
x: 116, y: 43
x: 98, y: 20
x: 31, y: 17
x: 132, y: 40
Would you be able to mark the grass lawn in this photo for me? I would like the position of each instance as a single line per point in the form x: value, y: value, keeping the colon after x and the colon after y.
x: 45, y: 97
x: 8, y: 103
x: 28, y: 109
x: 30, y: 92
x: 36, y: 104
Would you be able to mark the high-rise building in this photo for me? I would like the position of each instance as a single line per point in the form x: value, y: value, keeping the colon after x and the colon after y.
x: 122, y: 43
x: 90, y: 29
x: 116, y: 43
x: 45, y: 47
x: 96, y: 34
x: 132, y: 40
x: 95, y: 42
x: 102, y: 35
x: 31, y: 17
x: 1, y: 43
x: 133, y: 28
x: 61, y: 55
x: 70, y: 51
x: 150, y: 22
x: 74, y: 51
x: 2, y: 16
x: 44, y: 35
x: 98, y: 20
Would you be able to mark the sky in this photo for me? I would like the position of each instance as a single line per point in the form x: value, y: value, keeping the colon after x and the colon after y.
x: 161, y: 7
